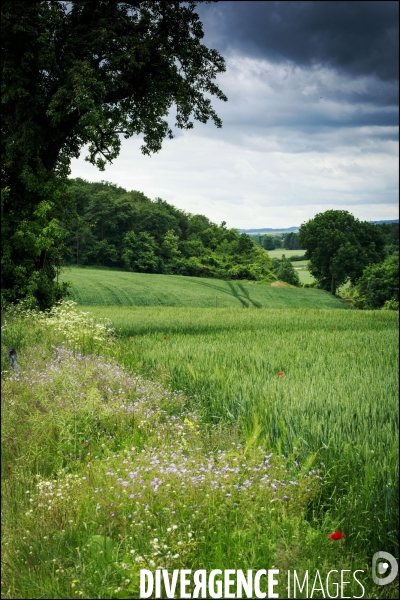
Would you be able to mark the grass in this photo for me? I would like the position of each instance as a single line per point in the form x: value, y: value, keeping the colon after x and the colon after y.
x: 108, y: 287
x: 305, y: 275
x: 177, y: 444
x: 288, y: 253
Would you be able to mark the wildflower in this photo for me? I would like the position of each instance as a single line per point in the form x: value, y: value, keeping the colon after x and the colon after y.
x: 281, y: 374
x: 131, y: 338
x: 338, y: 535
x: 165, y: 337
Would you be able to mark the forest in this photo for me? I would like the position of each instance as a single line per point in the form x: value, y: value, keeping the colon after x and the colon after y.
x: 112, y: 227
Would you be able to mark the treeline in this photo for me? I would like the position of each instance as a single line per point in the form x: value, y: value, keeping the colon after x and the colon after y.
x: 116, y: 228
x: 289, y: 241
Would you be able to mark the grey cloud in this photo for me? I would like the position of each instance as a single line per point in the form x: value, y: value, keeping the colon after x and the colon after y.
x: 276, y: 104
x: 358, y: 38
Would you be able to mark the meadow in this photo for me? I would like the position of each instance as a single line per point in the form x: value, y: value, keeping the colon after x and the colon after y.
x: 108, y: 287
x: 197, y: 438
x: 278, y: 252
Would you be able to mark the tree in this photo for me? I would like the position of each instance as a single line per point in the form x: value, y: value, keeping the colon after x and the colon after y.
x: 86, y: 73
x: 291, y: 241
x: 379, y: 283
x: 139, y: 252
x: 286, y: 272
x: 269, y: 242
x: 339, y: 247
x: 391, y: 233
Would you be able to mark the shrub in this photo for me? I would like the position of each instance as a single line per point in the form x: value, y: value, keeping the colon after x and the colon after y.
x: 287, y: 273
x: 391, y: 305
x: 312, y: 284
x: 296, y: 257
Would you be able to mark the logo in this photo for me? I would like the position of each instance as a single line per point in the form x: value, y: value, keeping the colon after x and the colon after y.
x: 383, y: 562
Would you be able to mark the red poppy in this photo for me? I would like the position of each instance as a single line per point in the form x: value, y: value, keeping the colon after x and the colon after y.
x: 9, y: 468
x: 338, y: 535
x: 281, y: 374
x: 131, y: 338
x: 165, y: 337
x: 332, y: 328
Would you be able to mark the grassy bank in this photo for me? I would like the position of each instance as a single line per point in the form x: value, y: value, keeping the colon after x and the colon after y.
x: 108, y: 287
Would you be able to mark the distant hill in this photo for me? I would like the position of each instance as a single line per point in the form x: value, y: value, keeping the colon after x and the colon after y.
x: 269, y: 230
x: 384, y: 221
x: 296, y: 229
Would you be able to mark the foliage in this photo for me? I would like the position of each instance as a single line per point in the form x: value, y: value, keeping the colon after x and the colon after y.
x: 339, y: 247
x: 32, y: 245
x: 297, y: 257
x: 291, y: 241
x: 379, y: 284
x: 286, y: 272
x: 391, y: 305
x: 86, y: 73
x: 124, y: 229
x: 391, y: 234
x: 270, y: 242
x: 139, y: 252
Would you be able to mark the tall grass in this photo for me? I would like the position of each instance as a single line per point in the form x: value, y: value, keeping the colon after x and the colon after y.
x: 337, y: 399
x: 175, y: 443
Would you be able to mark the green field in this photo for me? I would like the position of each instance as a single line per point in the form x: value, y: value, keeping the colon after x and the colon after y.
x: 288, y: 253
x: 338, y: 398
x: 108, y: 287
x: 196, y: 437
x: 303, y: 272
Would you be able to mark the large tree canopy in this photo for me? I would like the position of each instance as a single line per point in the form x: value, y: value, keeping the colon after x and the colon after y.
x: 339, y: 247
x: 87, y: 72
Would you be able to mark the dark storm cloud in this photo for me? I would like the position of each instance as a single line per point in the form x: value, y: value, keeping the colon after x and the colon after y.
x: 355, y: 38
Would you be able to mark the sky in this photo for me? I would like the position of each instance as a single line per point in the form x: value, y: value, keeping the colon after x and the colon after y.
x: 311, y: 122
